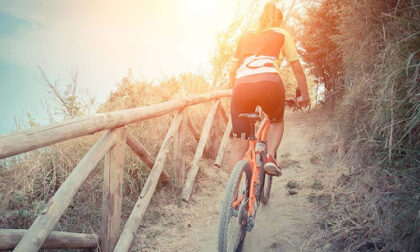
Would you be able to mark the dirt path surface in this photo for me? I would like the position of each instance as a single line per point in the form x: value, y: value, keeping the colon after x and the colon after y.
x: 284, y: 224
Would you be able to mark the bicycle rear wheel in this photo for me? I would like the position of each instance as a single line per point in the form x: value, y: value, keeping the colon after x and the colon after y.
x: 266, y: 188
x: 233, y: 225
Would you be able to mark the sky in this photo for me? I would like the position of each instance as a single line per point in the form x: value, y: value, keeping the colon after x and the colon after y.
x: 102, y: 40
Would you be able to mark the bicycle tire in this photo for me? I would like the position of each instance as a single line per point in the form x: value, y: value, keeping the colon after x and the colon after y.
x: 266, y: 188
x: 225, y: 241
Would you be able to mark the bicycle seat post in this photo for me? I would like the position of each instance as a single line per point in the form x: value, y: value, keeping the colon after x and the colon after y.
x: 252, y: 130
x: 252, y: 118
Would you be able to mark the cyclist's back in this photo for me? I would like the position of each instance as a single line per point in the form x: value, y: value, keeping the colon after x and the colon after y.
x: 255, y: 81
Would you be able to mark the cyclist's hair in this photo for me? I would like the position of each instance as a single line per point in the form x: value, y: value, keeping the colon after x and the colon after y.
x: 270, y: 17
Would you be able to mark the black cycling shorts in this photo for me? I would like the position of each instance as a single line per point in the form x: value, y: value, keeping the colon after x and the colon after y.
x: 245, y: 98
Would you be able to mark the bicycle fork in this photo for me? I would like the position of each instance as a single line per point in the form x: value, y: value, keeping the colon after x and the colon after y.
x: 259, y: 158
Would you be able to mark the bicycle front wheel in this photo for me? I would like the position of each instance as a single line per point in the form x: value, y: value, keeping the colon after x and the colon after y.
x: 233, y: 218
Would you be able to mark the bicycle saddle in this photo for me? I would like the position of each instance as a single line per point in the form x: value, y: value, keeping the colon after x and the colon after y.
x: 251, y: 116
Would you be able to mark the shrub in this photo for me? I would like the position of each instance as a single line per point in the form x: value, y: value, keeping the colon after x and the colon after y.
x: 378, y: 117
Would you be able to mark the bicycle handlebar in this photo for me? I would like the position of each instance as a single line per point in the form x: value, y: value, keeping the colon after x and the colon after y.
x: 290, y: 102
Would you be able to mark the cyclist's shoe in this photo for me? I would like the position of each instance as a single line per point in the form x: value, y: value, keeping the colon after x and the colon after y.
x: 271, y: 167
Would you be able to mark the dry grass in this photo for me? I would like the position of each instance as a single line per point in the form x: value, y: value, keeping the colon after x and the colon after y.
x: 371, y: 201
x: 28, y: 181
x: 173, y: 225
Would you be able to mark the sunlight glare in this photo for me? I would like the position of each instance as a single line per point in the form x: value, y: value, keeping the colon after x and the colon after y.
x: 201, y: 6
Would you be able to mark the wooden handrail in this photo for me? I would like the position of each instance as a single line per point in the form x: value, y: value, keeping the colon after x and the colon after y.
x: 34, y: 138
x: 111, y: 144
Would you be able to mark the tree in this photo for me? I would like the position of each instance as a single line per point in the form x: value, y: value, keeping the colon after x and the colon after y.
x: 317, y: 35
x: 70, y: 101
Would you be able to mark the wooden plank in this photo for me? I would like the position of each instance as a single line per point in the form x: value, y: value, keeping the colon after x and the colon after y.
x: 223, y: 144
x: 149, y: 188
x: 140, y: 150
x: 211, y: 148
x: 192, y: 173
x: 112, y: 192
x: 45, y: 222
x: 34, y: 138
x: 56, y: 240
x: 224, y: 114
x: 179, y: 162
x: 144, y: 155
x: 193, y: 130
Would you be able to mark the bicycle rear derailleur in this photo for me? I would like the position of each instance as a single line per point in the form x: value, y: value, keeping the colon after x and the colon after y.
x: 250, y: 223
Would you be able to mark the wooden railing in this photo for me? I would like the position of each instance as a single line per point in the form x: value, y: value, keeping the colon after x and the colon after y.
x: 111, y: 146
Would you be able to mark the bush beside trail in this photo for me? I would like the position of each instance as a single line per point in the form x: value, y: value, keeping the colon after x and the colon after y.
x: 368, y: 52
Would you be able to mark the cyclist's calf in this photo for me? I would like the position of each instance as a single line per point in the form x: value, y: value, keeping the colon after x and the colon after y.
x: 239, y: 147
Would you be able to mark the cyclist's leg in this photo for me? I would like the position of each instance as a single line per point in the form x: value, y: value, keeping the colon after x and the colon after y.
x: 273, y: 105
x: 275, y: 134
x: 239, y: 147
x: 241, y: 103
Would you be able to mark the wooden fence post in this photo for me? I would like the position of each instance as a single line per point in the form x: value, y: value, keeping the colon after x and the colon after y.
x: 223, y: 144
x: 112, y: 192
x: 212, y: 146
x: 45, y: 222
x: 148, y: 190
x: 192, y: 173
x: 179, y: 162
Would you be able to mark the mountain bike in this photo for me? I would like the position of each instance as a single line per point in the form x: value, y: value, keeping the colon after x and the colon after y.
x: 248, y: 186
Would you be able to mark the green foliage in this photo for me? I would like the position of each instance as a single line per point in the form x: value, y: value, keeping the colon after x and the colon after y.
x: 318, y: 38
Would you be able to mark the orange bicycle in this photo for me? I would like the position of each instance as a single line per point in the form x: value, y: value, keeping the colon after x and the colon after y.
x: 248, y: 186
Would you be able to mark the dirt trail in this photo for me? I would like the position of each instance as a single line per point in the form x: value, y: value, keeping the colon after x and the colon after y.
x: 282, y: 225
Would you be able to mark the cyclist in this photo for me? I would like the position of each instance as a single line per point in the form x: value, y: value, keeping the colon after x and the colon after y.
x: 255, y: 81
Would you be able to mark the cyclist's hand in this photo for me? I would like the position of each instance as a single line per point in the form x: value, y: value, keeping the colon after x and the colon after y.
x: 303, y: 102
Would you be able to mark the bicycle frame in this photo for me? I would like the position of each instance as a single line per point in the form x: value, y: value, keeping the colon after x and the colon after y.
x: 250, y: 156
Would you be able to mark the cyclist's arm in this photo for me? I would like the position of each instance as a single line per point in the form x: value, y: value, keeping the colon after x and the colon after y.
x: 301, y: 79
x: 290, y: 52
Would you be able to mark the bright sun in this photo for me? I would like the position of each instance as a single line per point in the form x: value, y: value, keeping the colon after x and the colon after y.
x: 201, y: 6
